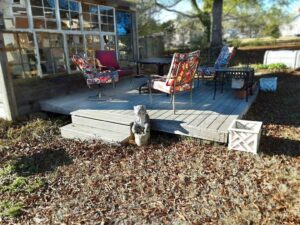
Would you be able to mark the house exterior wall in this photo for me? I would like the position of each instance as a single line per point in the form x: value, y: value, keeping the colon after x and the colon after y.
x: 39, y: 40
x: 291, y: 29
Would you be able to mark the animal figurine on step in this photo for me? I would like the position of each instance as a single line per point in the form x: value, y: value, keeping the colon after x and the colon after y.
x: 140, y: 128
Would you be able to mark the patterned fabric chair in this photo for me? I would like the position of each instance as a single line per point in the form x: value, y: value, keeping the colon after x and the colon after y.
x: 180, y: 77
x: 222, y: 61
x: 92, y: 75
x: 108, y: 60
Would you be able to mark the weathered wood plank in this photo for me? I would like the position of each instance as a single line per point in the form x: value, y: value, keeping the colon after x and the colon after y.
x: 206, y: 110
x: 227, y: 107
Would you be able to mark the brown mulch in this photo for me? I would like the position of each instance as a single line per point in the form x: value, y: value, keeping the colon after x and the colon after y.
x: 171, y: 181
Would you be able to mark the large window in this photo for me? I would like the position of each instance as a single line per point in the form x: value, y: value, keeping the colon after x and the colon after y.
x: 69, y: 14
x: 59, y: 28
x: 19, y: 48
x: 43, y: 13
x: 51, y: 51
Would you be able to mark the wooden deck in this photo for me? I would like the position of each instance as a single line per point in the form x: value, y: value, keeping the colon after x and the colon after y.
x: 204, y: 118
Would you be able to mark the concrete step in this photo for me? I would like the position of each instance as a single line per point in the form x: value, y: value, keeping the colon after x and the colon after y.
x: 105, y: 116
x: 101, y: 124
x: 85, y: 133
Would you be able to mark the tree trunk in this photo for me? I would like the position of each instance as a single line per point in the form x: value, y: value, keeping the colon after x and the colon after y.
x: 216, y: 38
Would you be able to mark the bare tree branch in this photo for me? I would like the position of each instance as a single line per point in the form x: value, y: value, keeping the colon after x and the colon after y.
x: 167, y: 8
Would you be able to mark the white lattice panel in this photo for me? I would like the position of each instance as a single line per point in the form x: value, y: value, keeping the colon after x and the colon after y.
x: 244, y: 135
x: 268, y: 84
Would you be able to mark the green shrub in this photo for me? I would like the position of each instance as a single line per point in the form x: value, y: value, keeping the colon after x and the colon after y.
x: 273, y: 67
x: 277, y: 66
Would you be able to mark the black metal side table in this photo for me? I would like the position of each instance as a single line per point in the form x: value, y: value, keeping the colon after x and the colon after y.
x: 244, y: 73
x: 159, y: 62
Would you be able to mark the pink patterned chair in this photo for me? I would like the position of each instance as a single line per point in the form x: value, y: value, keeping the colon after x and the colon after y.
x: 180, y: 77
x: 93, y: 76
x: 108, y: 59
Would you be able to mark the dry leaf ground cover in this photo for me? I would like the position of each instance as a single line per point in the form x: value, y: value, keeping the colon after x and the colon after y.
x: 47, y: 180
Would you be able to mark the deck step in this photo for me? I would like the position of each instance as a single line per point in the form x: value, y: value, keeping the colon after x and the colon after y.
x: 101, y: 124
x: 104, y: 115
x: 85, y: 133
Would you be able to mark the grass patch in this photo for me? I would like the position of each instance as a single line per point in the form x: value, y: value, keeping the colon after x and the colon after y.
x: 11, y: 182
x: 10, y: 209
x: 34, y: 130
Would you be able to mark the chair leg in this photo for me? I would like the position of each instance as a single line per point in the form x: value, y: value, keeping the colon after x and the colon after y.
x: 150, y: 93
x: 113, y: 83
x: 174, y: 103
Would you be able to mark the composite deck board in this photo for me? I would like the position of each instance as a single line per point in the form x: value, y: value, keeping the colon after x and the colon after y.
x: 205, y: 110
x: 204, y: 118
x: 237, y: 113
x: 227, y: 105
x: 202, y: 105
x: 220, y: 119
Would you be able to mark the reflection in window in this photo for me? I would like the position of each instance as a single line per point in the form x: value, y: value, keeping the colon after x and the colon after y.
x: 43, y: 13
x: 69, y: 14
x: 20, y: 54
x: 92, y: 45
x: 51, y: 53
x: 90, y: 17
x: 15, y: 14
x: 107, y: 19
x: 75, y: 45
x: 109, y: 42
x: 125, y: 35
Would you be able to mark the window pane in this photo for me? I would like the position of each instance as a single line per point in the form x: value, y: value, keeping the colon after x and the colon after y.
x: 51, y: 53
x: 44, y: 15
x: 49, y: 4
x: 20, y: 54
x: 93, y: 44
x: 37, y: 11
x: 69, y: 14
x: 107, y: 19
x: 16, y: 71
x: 125, y: 35
x: 75, y: 46
x: 36, y: 2
x: 15, y: 15
x: 90, y: 17
x: 14, y: 57
x: 10, y: 41
x: 109, y: 42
